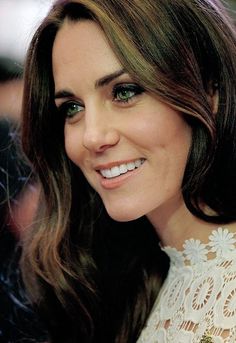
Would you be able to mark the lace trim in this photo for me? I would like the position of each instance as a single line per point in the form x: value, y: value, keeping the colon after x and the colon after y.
x: 221, y: 245
x: 197, y: 302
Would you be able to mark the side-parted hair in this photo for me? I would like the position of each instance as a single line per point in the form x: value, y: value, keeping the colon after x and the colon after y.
x: 86, y: 271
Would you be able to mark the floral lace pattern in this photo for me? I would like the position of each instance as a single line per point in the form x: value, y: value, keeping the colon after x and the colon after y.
x: 197, y: 302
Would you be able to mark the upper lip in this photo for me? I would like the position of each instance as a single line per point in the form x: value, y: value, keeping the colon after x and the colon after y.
x: 115, y: 163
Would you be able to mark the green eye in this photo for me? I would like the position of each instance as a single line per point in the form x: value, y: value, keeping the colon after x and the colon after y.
x: 70, y: 108
x: 125, y: 92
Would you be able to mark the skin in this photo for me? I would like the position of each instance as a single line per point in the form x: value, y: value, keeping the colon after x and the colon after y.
x: 106, y: 131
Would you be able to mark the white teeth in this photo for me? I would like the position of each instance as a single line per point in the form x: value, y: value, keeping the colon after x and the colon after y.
x: 115, y: 171
x: 122, y: 169
x: 130, y: 166
x: 106, y: 173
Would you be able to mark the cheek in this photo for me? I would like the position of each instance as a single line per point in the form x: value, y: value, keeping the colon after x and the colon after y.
x: 73, y: 146
x: 163, y: 129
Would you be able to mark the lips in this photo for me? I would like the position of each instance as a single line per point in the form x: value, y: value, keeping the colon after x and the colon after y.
x: 120, y: 169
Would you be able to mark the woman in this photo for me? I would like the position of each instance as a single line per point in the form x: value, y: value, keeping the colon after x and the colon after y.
x: 129, y: 121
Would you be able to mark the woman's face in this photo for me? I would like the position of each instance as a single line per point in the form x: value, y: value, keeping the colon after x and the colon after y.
x: 131, y: 147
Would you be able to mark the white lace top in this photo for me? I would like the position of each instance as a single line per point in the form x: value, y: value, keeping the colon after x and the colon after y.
x: 197, y: 302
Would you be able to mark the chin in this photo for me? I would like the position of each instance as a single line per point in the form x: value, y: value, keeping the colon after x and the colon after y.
x: 124, y: 215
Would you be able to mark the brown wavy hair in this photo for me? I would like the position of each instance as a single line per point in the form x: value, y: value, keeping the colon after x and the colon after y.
x: 95, y: 279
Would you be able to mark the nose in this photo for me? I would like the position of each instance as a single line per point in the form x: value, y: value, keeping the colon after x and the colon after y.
x: 99, y: 132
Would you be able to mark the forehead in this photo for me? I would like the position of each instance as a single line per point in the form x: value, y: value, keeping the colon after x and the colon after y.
x: 81, y: 47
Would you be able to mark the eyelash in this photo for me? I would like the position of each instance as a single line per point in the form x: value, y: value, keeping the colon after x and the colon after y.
x: 128, y: 87
x: 68, y: 106
x: 134, y: 89
x: 129, y: 90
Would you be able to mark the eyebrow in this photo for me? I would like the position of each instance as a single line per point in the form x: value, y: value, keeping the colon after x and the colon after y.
x: 63, y: 94
x: 103, y: 81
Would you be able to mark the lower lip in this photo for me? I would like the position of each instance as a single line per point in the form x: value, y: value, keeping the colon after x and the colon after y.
x: 118, y: 180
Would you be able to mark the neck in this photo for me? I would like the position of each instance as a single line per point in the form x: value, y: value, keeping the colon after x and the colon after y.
x: 174, y: 223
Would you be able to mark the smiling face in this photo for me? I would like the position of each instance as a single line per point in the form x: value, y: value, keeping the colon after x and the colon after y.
x: 131, y: 147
